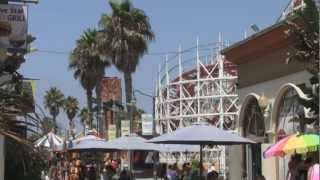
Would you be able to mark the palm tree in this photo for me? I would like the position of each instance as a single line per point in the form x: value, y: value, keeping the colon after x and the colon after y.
x: 89, y: 66
x: 53, y: 101
x: 47, y: 125
x: 71, y: 107
x: 125, y: 35
x: 84, y: 117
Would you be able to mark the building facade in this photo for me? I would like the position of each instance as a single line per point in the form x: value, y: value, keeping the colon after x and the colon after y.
x: 269, y: 91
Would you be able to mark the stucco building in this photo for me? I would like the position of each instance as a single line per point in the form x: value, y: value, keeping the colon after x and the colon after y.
x: 269, y: 89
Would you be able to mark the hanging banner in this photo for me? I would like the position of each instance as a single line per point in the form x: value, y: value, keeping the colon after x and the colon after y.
x: 125, y: 127
x: 147, y: 124
x: 112, y: 129
x: 13, y: 27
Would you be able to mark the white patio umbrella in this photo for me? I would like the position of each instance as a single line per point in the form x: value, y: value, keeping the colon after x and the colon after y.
x: 50, y: 140
x: 201, y: 134
x: 90, y: 142
x: 132, y: 142
x: 170, y: 148
x: 135, y: 142
x: 87, y: 137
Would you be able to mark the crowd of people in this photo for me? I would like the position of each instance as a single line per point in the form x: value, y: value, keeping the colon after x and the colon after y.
x: 299, y: 169
x: 63, y: 168
x: 191, y: 172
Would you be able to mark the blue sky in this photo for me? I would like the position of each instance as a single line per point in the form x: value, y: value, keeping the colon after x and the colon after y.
x: 57, y: 24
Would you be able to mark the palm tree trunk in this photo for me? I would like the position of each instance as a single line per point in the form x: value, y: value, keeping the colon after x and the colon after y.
x: 99, y: 119
x: 71, y: 127
x: 128, y: 89
x: 84, y: 128
x: 89, y: 102
x: 54, y: 118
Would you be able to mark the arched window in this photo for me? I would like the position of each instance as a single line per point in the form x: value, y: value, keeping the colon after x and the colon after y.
x: 289, y: 108
x: 253, y: 118
x: 253, y: 127
x: 286, y: 107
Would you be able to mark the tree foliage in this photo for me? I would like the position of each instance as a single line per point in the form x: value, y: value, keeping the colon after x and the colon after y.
x: 88, y: 65
x: 71, y: 107
x: 53, y: 101
x: 84, y: 117
x: 22, y: 160
x: 303, y: 34
x: 125, y: 35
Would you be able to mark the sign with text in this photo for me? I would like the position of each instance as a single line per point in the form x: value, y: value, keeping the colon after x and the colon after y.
x: 125, y: 127
x: 112, y: 130
x: 147, y: 124
x: 13, y: 26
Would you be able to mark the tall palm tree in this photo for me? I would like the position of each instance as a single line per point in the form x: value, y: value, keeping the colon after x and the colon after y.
x: 71, y: 107
x: 125, y: 34
x: 84, y: 117
x: 53, y: 101
x: 89, y: 66
x: 47, y: 125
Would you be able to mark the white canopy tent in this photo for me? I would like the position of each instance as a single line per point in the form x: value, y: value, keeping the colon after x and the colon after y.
x: 50, y: 140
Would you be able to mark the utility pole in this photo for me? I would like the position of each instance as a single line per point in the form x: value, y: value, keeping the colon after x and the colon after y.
x: 131, y: 119
x: 153, y: 130
x: 155, y: 155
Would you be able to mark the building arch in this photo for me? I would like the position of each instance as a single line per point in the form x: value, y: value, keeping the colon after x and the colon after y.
x: 251, y: 125
x: 285, y: 106
x: 284, y: 89
x: 249, y: 97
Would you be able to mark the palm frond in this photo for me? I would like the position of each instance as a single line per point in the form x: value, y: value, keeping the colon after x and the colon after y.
x: 126, y: 34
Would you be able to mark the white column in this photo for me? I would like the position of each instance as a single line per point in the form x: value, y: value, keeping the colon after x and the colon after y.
x: 198, y: 83
x: 160, y: 101
x: 180, y: 87
x: 221, y: 74
x: 167, y: 105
